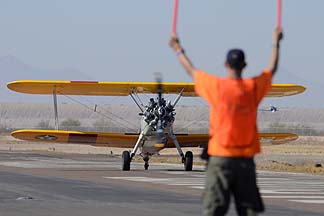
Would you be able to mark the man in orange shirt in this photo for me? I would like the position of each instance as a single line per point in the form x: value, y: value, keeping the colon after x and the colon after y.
x: 233, y: 129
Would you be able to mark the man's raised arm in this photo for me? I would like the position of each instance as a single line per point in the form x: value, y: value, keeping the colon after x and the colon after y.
x: 277, y: 36
x: 184, y: 60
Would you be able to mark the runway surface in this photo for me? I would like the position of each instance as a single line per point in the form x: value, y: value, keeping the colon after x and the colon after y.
x: 64, y: 184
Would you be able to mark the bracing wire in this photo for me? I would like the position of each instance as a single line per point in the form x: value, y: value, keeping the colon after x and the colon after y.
x: 199, y: 118
x: 104, y: 115
x: 139, y: 99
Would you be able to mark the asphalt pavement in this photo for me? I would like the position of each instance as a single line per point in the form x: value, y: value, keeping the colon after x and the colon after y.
x: 64, y: 184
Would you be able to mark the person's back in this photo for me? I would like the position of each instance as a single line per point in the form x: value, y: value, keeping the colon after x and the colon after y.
x: 233, y: 130
x: 233, y: 112
x: 234, y: 140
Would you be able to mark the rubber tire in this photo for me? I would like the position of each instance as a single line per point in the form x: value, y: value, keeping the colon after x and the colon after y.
x: 126, y: 159
x: 188, y: 161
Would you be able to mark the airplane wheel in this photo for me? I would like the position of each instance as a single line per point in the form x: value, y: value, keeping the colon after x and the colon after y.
x: 126, y: 159
x: 146, y: 166
x: 188, y: 161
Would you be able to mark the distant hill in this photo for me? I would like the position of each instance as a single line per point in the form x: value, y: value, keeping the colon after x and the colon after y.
x: 12, y: 68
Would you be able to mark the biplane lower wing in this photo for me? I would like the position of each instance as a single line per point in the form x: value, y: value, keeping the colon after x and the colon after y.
x: 127, y: 140
x: 277, y: 138
x: 121, y: 140
x: 75, y: 137
x: 95, y: 88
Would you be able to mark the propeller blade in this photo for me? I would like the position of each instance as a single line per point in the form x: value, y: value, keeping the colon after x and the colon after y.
x: 159, y: 128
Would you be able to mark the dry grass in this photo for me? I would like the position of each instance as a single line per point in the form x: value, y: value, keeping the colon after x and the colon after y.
x: 303, y: 146
x: 292, y: 168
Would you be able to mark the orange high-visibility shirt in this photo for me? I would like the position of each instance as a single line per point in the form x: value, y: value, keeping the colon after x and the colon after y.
x: 233, y: 112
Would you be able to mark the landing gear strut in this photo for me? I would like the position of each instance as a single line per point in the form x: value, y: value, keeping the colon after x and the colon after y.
x: 186, y: 159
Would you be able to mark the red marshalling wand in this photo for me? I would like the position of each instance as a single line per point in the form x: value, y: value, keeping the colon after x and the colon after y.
x: 279, y: 9
x: 175, y: 17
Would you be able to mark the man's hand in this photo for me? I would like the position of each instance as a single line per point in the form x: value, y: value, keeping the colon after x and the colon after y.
x: 175, y: 43
x: 184, y: 60
x: 277, y: 36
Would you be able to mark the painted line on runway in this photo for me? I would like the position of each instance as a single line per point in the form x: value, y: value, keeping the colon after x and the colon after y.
x: 198, y: 187
x: 290, y: 188
x: 293, y: 197
x: 262, y: 191
x: 309, y: 201
x: 166, y: 181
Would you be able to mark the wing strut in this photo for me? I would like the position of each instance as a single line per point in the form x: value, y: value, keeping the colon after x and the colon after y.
x: 178, y: 98
x: 136, y: 102
x: 55, y: 109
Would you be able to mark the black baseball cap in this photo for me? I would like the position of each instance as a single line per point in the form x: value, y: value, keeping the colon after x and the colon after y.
x: 236, y: 58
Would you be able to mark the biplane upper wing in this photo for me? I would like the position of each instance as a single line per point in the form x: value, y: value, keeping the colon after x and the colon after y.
x: 127, y: 140
x: 94, y: 88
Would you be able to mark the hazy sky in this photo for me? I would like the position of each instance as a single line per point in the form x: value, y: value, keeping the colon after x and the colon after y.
x: 119, y: 40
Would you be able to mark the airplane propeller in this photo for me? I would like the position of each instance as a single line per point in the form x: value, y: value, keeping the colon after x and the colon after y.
x: 161, y: 110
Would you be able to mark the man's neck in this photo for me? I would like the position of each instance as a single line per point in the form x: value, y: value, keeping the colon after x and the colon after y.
x: 235, y: 74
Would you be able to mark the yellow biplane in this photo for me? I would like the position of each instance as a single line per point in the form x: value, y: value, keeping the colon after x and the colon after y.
x: 157, y: 117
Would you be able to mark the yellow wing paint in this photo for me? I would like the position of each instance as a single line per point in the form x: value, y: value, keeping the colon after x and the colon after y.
x: 129, y: 140
x: 189, y: 140
x: 277, y: 138
x: 89, y: 138
x: 281, y: 90
x: 97, y: 88
x: 200, y: 140
x: 94, y: 88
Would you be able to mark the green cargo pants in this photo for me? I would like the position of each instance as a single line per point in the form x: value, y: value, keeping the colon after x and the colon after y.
x: 228, y: 176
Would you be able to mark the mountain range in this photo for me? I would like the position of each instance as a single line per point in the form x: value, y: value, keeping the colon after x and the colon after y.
x: 12, y: 68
